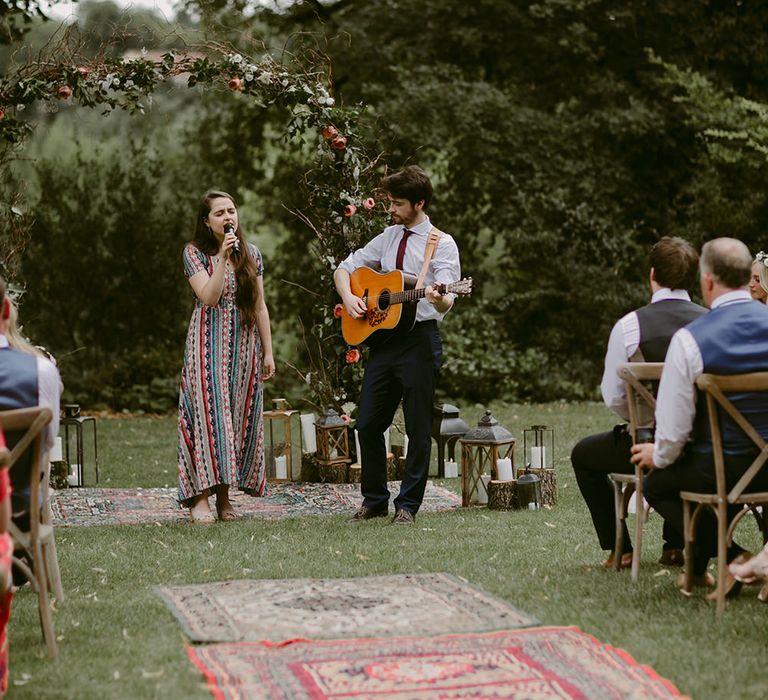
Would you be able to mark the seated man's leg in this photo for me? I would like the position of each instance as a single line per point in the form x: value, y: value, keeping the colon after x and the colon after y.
x: 593, y: 458
x: 662, y: 490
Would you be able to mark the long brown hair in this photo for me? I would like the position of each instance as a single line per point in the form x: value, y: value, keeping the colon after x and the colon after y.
x: 246, y: 271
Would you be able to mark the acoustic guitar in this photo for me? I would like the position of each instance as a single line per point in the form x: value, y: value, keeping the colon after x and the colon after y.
x: 391, y: 301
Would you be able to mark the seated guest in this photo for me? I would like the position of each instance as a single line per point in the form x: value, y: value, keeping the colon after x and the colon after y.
x: 640, y: 336
x: 758, y: 283
x: 731, y: 339
x: 26, y: 379
x: 6, y: 551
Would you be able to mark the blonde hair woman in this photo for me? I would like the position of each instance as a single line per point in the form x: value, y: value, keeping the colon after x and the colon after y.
x: 758, y: 283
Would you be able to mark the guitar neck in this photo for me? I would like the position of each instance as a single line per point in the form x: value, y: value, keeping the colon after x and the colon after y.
x: 407, y: 295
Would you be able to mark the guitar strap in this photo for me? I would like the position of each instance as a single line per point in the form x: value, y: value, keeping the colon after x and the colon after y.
x: 429, y: 252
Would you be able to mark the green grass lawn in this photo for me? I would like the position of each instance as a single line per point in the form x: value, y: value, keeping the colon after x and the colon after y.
x: 117, y: 639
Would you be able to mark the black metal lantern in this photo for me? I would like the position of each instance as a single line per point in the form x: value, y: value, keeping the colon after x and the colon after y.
x: 332, y: 439
x: 529, y: 491
x: 447, y: 428
x: 481, y: 449
x: 539, y: 447
x: 74, y: 423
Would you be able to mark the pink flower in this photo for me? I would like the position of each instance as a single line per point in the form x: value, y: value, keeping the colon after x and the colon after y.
x: 339, y: 143
x: 353, y: 356
x: 235, y: 84
x: 64, y: 92
x: 350, y: 210
x: 345, y: 418
x: 330, y: 132
x: 85, y: 72
x: 2, y: 113
x: 338, y: 310
x: 369, y: 203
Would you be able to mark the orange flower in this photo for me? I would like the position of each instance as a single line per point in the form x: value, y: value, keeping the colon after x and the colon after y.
x: 338, y: 310
x: 353, y: 356
x: 330, y: 132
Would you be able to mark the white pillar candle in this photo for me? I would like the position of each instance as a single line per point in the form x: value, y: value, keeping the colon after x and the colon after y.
x: 451, y: 470
x: 55, y: 454
x: 538, y: 457
x: 281, y: 467
x: 74, y: 477
x: 482, y: 488
x: 504, y: 469
x: 386, y: 440
x: 308, y: 432
x: 357, y: 447
x: 405, y: 445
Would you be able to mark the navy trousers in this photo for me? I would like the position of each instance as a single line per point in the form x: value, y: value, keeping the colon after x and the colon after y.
x: 404, y: 367
x: 593, y: 458
x: 696, y: 472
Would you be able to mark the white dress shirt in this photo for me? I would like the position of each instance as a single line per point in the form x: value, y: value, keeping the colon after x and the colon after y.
x: 676, y: 400
x: 623, y: 343
x: 48, y: 391
x: 444, y: 268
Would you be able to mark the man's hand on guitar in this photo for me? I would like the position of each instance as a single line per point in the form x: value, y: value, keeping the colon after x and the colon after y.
x: 354, y: 306
x: 442, y: 302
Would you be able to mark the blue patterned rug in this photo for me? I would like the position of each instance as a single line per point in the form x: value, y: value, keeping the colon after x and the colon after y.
x: 97, y: 506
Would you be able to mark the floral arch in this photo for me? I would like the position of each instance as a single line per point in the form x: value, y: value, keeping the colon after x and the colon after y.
x: 339, y: 187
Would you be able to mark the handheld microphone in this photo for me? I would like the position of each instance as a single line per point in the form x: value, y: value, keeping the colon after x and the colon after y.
x: 229, y: 228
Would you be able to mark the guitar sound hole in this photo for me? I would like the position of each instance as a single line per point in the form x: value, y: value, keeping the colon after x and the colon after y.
x: 384, y: 299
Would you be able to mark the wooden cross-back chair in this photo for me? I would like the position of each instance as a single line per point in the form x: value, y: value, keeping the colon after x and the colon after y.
x: 636, y: 376
x: 715, y: 388
x: 38, y: 541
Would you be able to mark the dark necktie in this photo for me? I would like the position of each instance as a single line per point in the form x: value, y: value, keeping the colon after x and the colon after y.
x: 401, y: 249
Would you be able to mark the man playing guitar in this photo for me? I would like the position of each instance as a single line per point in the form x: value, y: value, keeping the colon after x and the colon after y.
x: 404, y: 365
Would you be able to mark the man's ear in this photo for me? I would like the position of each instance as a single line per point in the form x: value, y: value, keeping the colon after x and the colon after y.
x: 419, y: 205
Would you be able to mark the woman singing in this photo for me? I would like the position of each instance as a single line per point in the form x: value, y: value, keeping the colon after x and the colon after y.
x: 227, y: 355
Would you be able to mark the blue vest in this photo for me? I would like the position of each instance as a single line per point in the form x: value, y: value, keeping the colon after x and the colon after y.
x: 18, y: 389
x: 733, y: 339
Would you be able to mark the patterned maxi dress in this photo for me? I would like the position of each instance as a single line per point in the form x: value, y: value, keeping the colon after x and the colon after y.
x: 221, y: 428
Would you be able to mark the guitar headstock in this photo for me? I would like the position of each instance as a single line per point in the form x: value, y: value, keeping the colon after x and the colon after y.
x: 462, y: 287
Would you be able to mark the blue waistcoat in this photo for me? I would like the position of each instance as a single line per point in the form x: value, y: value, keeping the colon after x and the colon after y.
x: 18, y: 389
x: 733, y: 339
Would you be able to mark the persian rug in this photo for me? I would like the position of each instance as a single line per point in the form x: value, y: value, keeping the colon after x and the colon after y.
x: 541, y: 663
x: 97, y: 506
x: 280, y: 609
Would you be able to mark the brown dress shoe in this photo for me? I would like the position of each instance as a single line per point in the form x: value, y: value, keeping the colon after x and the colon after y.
x: 732, y: 584
x: 704, y: 580
x: 403, y: 517
x: 366, y: 513
x: 672, y: 557
x: 626, y: 561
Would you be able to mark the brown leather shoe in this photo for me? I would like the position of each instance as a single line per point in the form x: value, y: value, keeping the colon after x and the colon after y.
x: 403, y: 517
x: 732, y: 584
x: 672, y: 557
x: 705, y: 580
x: 366, y: 513
x: 626, y: 561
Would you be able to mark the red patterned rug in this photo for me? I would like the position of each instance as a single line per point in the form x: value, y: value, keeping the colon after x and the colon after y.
x: 98, y: 506
x: 540, y: 663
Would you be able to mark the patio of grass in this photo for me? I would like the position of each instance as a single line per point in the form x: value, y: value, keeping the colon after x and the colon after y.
x: 117, y: 639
